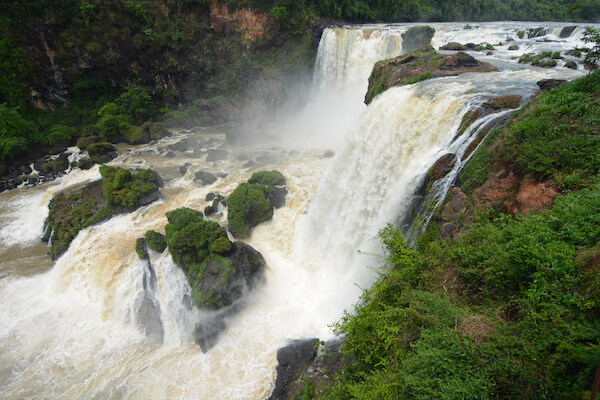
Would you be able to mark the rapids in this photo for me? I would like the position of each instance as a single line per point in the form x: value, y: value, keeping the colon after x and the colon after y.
x: 72, y: 329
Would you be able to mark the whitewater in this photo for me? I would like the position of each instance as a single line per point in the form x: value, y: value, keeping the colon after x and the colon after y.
x: 71, y: 329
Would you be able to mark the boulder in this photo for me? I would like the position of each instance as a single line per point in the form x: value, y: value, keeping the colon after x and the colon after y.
x: 513, y: 47
x: 101, y: 153
x: 566, y: 31
x: 85, y: 163
x: 454, y: 46
x: 548, y: 84
x: 571, y: 64
x: 252, y: 202
x: 219, y: 271
x: 204, y: 178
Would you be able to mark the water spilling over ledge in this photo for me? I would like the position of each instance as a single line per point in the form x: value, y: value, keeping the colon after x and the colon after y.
x: 72, y: 330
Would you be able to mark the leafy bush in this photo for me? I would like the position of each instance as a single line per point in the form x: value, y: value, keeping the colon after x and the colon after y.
x: 559, y: 135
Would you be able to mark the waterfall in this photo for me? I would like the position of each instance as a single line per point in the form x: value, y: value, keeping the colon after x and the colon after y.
x: 100, y: 323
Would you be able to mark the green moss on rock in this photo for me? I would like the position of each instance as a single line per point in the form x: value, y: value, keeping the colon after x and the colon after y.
x: 155, y: 241
x: 273, y: 178
x: 248, y: 206
x: 217, y: 269
x: 119, y: 191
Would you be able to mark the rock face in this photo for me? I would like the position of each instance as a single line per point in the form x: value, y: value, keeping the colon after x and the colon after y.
x: 421, y: 64
x: 297, y: 355
x: 302, y: 361
x: 531, y: 196
x: 566, y: 31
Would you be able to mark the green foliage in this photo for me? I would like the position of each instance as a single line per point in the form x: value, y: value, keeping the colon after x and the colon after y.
x: 271, y: 178
x: 13, y: 71
x: 60, y: 134
x: 248, y: 205
x: 559, y: 135
x: 123, y: 190
x: 155, y: 241
x: 442, y: 365
x: 198, y: 246
x: 16, y: 133
x: 591, y: 54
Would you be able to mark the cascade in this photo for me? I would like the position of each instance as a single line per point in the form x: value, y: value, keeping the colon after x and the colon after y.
x: 100, y: 323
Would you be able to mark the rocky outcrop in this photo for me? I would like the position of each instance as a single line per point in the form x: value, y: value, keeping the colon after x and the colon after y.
x: 304, y: 364
x: 419, y: 65
x: 218, y: 270
x: 531, y: 196
x: 456, y: 216
x: 119, y: 191
x: 566, y: 31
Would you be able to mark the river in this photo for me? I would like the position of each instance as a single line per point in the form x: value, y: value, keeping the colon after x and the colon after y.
x: 70, y: 329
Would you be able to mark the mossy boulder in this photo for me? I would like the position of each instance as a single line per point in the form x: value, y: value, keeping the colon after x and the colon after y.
x: 248, y: 206
x: 101, y: 153
x: 271, y: 178
x: 119, y: 191
x: 418, y: 65
x: 155, y: 241
x: 217, y: 270
x: 85, y: 141
x: 454, y: 46
x: 252, y: 202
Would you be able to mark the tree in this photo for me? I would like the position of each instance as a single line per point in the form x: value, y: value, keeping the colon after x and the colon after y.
x: 592, y: 54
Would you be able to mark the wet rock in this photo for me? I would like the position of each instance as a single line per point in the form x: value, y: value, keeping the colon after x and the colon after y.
x: 441, y: 167
x: 85, y: 163
x: 170, y: 154
x: 454, y: 46
x: 513, y: 47
x: 204, y: 178
x: 566, y: 31
x: 141, y: 249
x: 510, y: 101
x: 211, y: 196
x: 536, y: 32
x: 571, y: 64
x: 60, y: 164
x: 101, y: 153
x: 548, y: 84
x: 277, y: 196
x: 3, y: 169
x: 182, y: 145
x: 216, y: 155
x: 292, y: 358
x: 183, y: 169
x: 249, y: 164
x: 328, y: 154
